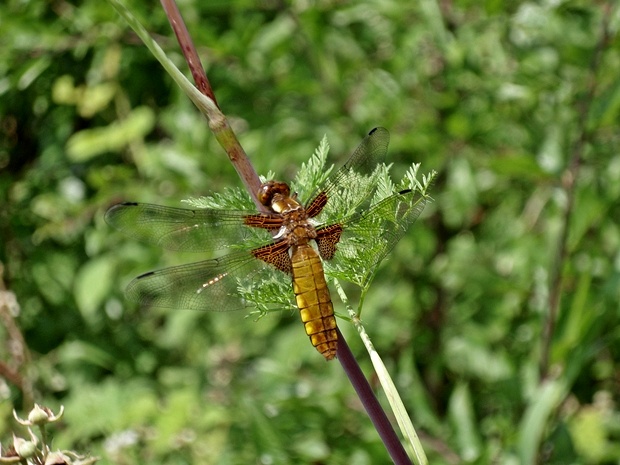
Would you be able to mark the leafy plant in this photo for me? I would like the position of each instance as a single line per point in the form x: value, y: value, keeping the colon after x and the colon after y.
x: 498, y: 98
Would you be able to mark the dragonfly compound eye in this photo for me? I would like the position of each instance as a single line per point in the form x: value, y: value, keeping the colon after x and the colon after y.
x: 267, y: 190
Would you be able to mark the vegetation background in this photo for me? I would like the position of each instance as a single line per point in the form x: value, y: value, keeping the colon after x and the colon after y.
x: 497, y: 314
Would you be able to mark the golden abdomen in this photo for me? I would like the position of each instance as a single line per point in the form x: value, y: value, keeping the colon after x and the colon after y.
x: 313, y: 300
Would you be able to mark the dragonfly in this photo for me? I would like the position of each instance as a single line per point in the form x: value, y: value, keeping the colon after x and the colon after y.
x: 297, y: 239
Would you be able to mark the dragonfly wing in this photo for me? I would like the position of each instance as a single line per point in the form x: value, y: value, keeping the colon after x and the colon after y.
x: 368, y: 236
x: 366, y: 156
x: 350, y: 186
x: 200, y: 230
x: 217, y: 285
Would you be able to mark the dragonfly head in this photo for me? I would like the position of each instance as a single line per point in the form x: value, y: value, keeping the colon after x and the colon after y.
x: 268, y: 190
x: 277, y: 196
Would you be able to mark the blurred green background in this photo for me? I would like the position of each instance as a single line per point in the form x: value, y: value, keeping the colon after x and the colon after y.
x: 502, y: 98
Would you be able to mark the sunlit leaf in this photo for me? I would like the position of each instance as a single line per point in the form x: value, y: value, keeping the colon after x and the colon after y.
x: 90, y: 143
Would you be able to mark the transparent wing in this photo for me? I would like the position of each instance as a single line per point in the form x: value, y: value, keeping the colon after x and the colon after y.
x: 368, y: 236
x: 218, y: 285
x: 200, y: 230
x: 352, y: 184
x: 369, y: 232
x: 207, y: 230
x: 363, y: 160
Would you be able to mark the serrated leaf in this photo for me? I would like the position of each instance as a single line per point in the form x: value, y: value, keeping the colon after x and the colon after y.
x: 232, y: 198
x: 313, y: 172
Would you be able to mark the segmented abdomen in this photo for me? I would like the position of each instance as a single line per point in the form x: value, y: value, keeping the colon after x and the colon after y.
x: 314, y: 301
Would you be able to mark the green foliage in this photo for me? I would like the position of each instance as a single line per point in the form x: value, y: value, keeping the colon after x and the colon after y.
x: 314, y: 172
x: 495, y: 96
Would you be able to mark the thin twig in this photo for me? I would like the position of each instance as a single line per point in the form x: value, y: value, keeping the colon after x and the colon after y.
x: 398, y: 408
x: 207, y: 105
x: 370, y: 403
x: 188, y: 48
x: 568, y: 183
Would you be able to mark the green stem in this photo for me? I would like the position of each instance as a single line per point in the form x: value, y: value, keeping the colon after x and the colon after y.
x: 396, y: 403
x: 207, y: 106
x: 371, y: 404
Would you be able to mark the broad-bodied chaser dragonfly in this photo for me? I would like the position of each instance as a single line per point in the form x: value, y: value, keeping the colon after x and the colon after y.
x: 297, y: 237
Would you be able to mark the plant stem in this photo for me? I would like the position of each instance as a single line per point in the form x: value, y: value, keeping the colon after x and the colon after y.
x: 188, y: 48
x: 392, y: 395
x: 569, y: 178
x: 201, y: 96
x: 370, y: 402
